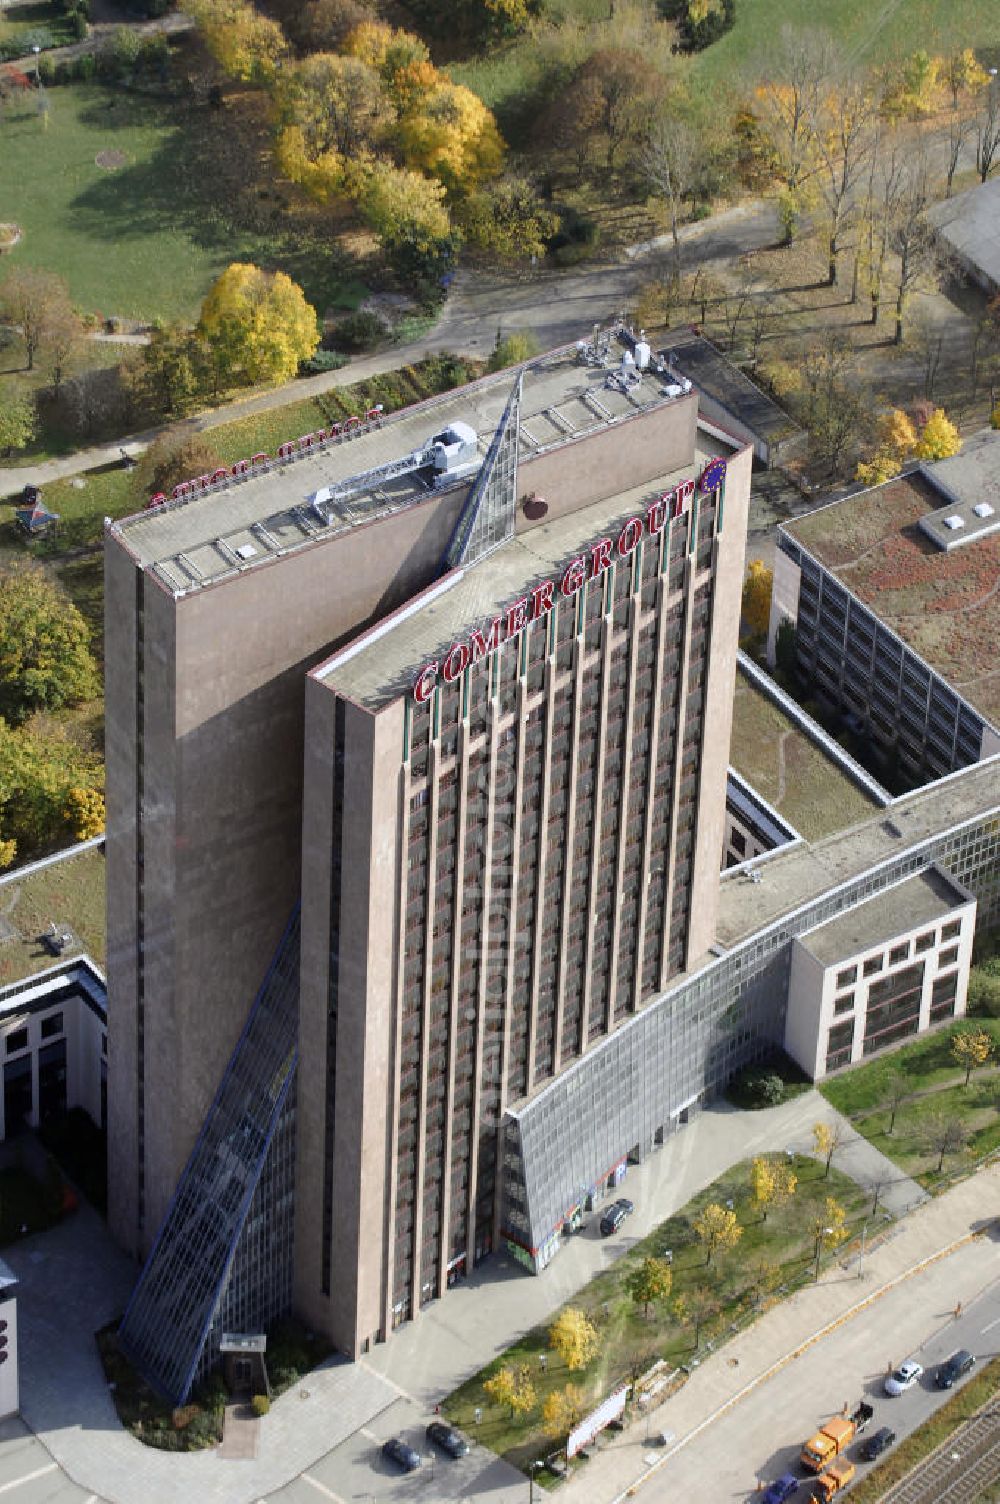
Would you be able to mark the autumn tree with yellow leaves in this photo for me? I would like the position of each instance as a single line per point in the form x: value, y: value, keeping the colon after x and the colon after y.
x: 939, y: 438
x: 574, y: 1337
x: 972, y: 1048
x: 257, y: 325
x: 717, y: 1229
x: 896, y: 440
x: 563, y: 1409
x: 512, y: 1387
x: 247, y: 46
x: 772, y: 1182
x: 757, y: 589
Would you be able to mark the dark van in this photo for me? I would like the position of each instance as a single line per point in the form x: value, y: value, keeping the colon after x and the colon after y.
x: 958, y: 1364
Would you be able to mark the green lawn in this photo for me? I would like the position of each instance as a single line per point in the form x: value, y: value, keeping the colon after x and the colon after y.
x: 927, y: 1063
x: 45, y: 23
x: 770, y: 1257
x: 867, y: 33
x: 937, y: 1087
x: 147, y: 239
x: 70, y: 894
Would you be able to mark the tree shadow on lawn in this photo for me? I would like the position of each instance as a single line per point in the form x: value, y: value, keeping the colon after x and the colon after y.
x: 210, y: 180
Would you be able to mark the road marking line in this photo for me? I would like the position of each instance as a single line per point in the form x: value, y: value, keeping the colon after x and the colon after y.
x: 40, y: 1472
x: 990, y: 1327
x: 321, y: 1488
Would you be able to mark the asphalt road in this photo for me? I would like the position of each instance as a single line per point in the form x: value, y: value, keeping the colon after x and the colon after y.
x: 760, y: 1438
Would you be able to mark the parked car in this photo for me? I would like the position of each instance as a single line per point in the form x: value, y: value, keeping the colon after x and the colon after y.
x: 877, y: 1444
x: 397, y: 1451
x: 615, y: 1216
x: 448, y: 1439
x: 902, y: 1378
x: 958, y: 1364
x: 781, y: 1489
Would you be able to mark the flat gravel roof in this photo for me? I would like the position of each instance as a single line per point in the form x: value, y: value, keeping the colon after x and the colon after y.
x: 945, y: 606
x: 910, y: 905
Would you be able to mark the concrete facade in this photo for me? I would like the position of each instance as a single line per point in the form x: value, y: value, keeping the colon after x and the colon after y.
x: 53, y: 1043
x: 846, y: 1000
x: 546, y: 831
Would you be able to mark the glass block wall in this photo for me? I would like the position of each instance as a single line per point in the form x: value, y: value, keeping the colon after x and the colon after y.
x: 223, y: 1256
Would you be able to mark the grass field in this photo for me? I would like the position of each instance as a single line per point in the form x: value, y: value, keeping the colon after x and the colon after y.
x: 70, y: 894
x: 770, y: 1257
x: 867, y: 33
x: 937, y: 1089
x: 45, y: 21
x: 147, y: 239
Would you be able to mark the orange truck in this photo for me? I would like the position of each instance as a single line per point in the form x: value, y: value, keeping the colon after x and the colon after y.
x: 833, y: 1438
x: 837, y: 1476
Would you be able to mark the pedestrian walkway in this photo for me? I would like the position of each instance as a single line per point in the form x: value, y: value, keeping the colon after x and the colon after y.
x: 13, y: 478
x: 867, y: 1165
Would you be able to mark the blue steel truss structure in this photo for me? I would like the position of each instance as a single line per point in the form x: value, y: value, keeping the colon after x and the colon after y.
x: 222, y: 1259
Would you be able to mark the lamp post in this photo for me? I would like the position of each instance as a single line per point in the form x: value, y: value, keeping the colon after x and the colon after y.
x: 824, y: 1232
x: 532, y: 1470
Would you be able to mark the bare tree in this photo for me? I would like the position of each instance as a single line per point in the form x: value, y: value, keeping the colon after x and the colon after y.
x: 882, y: 192
x: 878, y: 1185
x: 844, y: 142
x: 736, y: 307
x: 62, y: 333
x: 988, y: 131
x: 703, y: 291
x: 671, y: 161
x: 789, y: 97
x: 928, y: 339
x: 27, y: 299
x: 762, y: 316
x: 836, y: 411
x: 961, y: 130
x: 897, y: 1091
x: 912, y: 238
x: 943, y: 1135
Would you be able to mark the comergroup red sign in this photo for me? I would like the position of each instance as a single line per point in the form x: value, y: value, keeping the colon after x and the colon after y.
x: 482, y: 641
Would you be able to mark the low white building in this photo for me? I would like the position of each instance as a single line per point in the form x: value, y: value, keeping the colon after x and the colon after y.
x: 891, y: 967
x: 54, y: 1045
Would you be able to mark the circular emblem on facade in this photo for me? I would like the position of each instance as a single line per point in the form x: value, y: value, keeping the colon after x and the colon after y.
x: 712, y: 476
x: 535, y: 506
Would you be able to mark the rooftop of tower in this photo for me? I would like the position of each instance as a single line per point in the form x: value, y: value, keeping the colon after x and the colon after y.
x: 323, y: 487
x: 382, y: 665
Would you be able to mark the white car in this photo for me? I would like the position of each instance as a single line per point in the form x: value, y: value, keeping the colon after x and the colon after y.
x: 904, y: 1377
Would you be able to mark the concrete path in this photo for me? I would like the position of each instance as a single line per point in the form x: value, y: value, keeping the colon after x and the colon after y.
x: 240, y: 1432
x: 866, y: 1164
